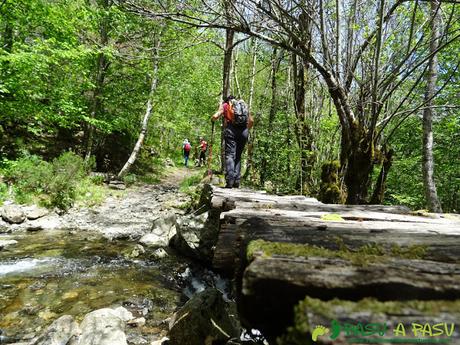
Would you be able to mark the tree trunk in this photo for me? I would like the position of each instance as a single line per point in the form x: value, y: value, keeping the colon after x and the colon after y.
x: 304, y: 135
x: 357, y: 163
x: 102, y: 65
x: 268, y: 147
x: 148, y: 113
x: 431, y: 77
x: 251, y: 138
x: 379, y: 190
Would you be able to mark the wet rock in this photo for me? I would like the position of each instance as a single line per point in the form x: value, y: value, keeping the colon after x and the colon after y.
x: 163, y: 229
x: 196, y: 236
x: 104, y: 327
x: 59, y: 333
x: 7, y: 243
x: 51, y: 222
x: 35, y: 212
x: 139, y: 322
x: 203, y: 319
x: 153, y: 240
x: 123, y: 314
x: 139, y: 306
x: 13, y: 214
x: 4, y: 227
x: 160, y: 253
x: 136, y: 339
x: 137, y: 251
x: 162, y: 341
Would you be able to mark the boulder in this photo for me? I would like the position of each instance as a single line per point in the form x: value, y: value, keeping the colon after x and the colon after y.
x: 104, y: 327
x: 6, y: 243
x: 163, y: 229
x: 196, y: 236
x: 204, y: 319
x: 35, y: 212
x: 59, y: 333
x: 50, y: 222
x: 115, y: 184
x: 13, y: 214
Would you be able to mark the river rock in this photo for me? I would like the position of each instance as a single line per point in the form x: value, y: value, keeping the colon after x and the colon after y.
x: 34, y: 212
x: 160, y: 253
x: 104, y: 327
x: 59, y: 333
x: 6, y: 243
x: 196, y: 236
x: 163, y: 229
x: 4, y: 227
x: 13, y: 214
x: 204, y: 319
x: 50, y: 222
x: 162, y: 341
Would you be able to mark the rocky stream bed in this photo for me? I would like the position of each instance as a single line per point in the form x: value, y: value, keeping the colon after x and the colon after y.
x: 106, y: 275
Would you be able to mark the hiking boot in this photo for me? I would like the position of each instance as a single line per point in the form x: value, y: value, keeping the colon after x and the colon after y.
x: 229, y: 184
x: 236, y: 185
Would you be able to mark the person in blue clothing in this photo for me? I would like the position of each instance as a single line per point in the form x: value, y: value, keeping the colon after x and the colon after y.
x: 186, y: 147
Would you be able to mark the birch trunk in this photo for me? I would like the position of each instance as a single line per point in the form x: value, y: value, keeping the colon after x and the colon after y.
x: 148, y: 114
x: 251, y: 139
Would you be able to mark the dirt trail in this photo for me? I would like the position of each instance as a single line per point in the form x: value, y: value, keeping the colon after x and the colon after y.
x: 132, y: 213
x: 174, y: 176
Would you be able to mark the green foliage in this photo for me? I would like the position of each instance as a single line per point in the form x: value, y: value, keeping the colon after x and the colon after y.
x: 53, y: 184
x: 89, y: 194
x: 3, y: 192
x: 98, y: 180
x: 129, y: 179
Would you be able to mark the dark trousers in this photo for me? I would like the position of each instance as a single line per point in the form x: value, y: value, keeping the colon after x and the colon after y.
x: 235, y: 139
x: 202, y: 157
x: 186, y: 155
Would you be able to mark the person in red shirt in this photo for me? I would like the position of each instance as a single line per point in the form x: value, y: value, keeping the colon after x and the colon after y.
x: 236, y: 136
x: 203, y: 149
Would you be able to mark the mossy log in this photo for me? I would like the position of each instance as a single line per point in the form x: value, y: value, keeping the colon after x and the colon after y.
x: 353, y: 252
x: 439, y: 237
x: 272, y: 285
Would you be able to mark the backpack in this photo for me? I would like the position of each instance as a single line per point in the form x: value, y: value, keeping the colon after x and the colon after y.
x: 240, y: 113
x: 187, y: 147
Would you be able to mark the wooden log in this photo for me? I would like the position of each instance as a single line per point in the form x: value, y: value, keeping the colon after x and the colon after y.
x: 228, y: 199
x: 440, y: 238
x: 273, y: 286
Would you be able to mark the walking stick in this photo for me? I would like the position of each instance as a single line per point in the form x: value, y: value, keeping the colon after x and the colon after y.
x: 210, y: 151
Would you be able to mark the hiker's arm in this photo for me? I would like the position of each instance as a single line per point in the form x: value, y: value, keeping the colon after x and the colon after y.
x: 219, y: 113
x: 250, y: 121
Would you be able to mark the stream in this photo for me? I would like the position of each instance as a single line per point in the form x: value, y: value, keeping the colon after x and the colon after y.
x: 52, y: 273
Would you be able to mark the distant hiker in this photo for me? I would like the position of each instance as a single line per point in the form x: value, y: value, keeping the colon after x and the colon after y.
x: 203, y: 149
x: 237, y: 123
x: 186, y: 147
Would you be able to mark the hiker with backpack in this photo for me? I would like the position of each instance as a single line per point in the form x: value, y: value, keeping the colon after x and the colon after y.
x: 203, y: 149
x: 237, y: 123
x: 186, y: 147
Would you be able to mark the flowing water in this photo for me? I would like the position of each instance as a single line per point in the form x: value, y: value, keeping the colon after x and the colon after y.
x: 49, y: 274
